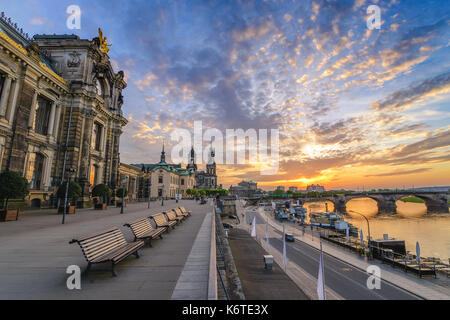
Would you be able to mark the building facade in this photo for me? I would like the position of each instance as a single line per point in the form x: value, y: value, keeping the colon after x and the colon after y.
x: 315, y: 188
x: 60, y: 109
x: 244, y: 189
x: 165, y: 180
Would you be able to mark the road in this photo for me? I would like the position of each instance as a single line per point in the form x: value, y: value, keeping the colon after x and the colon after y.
x: 344, y: 279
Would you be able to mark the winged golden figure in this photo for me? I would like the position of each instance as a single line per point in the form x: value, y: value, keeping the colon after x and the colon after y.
x: 104, y: 46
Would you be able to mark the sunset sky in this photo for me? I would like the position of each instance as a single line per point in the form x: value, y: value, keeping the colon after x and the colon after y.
x: 355, y: 107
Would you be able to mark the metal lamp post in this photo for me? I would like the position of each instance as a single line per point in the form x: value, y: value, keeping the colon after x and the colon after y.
x: 162, y: 196
x: 368, y: 230
x: 123, y: 193
x: 149, y: 191
x: 70, y: 171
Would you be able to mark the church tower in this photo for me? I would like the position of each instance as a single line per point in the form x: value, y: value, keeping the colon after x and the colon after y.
x: 191, y: 165
x: 211, y: 166
x: 163, y: 154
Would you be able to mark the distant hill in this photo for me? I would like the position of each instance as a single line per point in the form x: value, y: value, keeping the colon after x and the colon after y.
x: 436, y: 189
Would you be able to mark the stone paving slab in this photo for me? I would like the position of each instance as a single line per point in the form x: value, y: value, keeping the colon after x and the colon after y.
x: 35, y: 253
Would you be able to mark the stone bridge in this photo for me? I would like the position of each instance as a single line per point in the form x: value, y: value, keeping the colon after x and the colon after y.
x: 436, y: 202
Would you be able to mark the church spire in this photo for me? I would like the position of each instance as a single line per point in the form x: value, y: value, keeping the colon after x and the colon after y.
x: 163, y: 154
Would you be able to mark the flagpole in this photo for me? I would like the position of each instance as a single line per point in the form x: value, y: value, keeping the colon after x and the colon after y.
x: 284, y: 248
x: 323, y: 271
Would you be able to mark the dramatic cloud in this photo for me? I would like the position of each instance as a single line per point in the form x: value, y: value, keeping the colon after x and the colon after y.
x: 350, y: 103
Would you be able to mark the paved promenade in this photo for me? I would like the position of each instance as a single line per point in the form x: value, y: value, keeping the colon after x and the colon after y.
x: 35, y: 253
x: 258, y: 283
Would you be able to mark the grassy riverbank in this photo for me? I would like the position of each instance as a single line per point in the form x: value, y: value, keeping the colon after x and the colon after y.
x: 413, y: 199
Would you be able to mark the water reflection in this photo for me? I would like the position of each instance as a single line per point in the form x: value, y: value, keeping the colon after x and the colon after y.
x: 411, y: 223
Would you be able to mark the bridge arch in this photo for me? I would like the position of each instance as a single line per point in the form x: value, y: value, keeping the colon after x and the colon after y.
x: 435, y: 203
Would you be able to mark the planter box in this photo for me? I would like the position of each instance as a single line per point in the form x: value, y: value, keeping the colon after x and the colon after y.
x: 9, y: 215
x: 101, y: 206
x: 69, y: 210
x: 119, y: 204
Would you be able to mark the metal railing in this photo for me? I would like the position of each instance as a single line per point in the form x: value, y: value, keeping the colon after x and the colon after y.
x: 212, y: 283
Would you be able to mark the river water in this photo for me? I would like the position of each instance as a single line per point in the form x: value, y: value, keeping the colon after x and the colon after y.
x: 412, y: 224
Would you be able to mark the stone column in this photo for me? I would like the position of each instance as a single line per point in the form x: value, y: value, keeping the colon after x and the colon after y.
x: 4, y: 96
x: 13, y: 101
x: 51, y: 119
x: 57, y: 120
x: 102, y: 139
x: 32, y: 111
x: 85, y: 155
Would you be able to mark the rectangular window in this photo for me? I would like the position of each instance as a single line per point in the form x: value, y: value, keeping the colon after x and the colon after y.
x: 93, y: 175
x: 42, y: 117
x: 182, y: 182
x: 96, y: 136
x: 35, y: 170
x: 160, y: 179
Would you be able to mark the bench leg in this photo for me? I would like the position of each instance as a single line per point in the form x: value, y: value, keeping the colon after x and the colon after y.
x: 114, y: 273
x: 137, y: 254
x: 150, y: 243
x: 160, y: 235
x: 88, y: 268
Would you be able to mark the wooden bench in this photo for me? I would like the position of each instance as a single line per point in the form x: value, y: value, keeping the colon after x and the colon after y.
x: 184, y: 211
x: 172, y: 216
x: 161, y: 221
x: 179, y: 213
x: 143, y: 230
x: 107, y: 246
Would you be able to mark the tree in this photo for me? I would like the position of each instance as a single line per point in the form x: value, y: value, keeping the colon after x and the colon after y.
x: 74, y: 190
x: 278, y: 192
x: 101, y: 190
x: 121, y: 193
x: 12, y: 186
x: 191, y: 192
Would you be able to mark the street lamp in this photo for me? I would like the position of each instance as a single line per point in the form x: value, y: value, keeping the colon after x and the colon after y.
x: 162, y: 196
x: 368, y: 230
x: 149, y: 191
x: 123, y: 193
x: 70, y: 171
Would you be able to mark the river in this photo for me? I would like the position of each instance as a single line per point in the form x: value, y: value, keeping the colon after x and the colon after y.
x: 411, y: 224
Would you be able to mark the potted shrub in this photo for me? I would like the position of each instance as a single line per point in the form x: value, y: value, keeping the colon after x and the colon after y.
x: 12, y: 186
x: 121, y: 193
x: 102, y: 191
x: 73, y: 192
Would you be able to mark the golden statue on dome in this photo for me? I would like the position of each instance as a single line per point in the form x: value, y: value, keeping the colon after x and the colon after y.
x: 104, y: 46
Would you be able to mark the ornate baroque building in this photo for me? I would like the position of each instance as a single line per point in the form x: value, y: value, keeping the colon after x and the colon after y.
x: 165, y: 180
x: 60, y: 108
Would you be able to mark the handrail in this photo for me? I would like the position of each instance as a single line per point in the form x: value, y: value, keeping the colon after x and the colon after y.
x: 212, y: 281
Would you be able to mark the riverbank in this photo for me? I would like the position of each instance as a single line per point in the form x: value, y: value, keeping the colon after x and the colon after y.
x: 428, y: 288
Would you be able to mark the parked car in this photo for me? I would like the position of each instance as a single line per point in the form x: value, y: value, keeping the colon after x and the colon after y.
x: 226, y: 225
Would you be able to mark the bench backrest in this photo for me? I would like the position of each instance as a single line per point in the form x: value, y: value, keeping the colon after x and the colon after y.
x: 171, y: 214
x: 178, y: 212
x: 183, y: 209
x: 159, y: 218
x: 100, y: 243
x: 140, y: 227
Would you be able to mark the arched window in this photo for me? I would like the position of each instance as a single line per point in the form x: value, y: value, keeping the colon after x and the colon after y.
x: 35, y: 170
